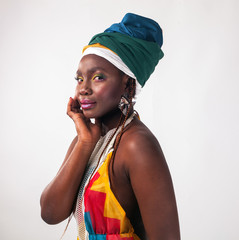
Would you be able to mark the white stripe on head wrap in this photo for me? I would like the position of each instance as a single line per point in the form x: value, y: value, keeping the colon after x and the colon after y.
x: 114, y: 59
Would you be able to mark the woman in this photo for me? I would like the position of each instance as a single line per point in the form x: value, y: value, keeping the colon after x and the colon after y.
x: 114, y: 177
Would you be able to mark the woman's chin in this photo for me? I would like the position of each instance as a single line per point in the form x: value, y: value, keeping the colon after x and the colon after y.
x: 105, y: 113
x: 89, y: 114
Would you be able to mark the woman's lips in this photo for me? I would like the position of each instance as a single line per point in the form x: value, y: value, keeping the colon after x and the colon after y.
x: 87, y: 104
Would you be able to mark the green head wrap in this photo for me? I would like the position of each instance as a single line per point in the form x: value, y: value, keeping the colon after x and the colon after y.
x: 137, y: 41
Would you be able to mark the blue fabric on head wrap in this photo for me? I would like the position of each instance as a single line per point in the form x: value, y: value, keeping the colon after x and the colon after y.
x: 138, y: 27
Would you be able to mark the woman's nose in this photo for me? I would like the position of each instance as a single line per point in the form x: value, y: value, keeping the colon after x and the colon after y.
x: 84, y: 88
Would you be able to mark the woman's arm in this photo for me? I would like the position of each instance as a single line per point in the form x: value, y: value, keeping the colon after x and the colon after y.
x: 153, y: 188
x: 58, y: 197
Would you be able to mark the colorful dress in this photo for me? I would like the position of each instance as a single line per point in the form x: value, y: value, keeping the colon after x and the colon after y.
x: 98, y: 214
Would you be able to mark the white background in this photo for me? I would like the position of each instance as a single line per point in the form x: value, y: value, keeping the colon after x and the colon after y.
x: 190, y: 103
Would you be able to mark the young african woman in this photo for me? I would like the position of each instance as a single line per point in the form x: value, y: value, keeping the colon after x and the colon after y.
x: 114, y: 177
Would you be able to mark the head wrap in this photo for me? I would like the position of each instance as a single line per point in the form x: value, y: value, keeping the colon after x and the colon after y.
x: 136, y: 41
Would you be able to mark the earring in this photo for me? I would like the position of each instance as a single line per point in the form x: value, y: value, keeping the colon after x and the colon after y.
x: 124, y: 104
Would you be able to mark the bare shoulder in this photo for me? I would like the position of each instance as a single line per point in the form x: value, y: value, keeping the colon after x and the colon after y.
x: 141, y: 146
x: 150, y: 179
x: 138, y: 132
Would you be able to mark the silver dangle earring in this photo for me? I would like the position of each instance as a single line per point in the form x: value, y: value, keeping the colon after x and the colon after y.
x: 124, y: 104
x: 127, y: 99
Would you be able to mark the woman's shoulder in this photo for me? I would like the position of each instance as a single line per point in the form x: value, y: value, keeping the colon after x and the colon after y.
x: 139, y: 143
x: 139, y: 153
x: 139, y: 137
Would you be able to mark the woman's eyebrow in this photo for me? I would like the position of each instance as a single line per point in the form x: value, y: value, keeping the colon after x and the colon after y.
x: 94, y: 69
x: 78, y: 73
x: 91, y: 70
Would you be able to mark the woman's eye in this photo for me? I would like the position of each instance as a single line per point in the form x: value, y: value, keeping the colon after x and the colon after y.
x: 98, y: 77
x: 79, y: 79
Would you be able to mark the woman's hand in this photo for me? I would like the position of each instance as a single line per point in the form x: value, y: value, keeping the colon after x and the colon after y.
x: 88, y: 133
x: 59, y: 196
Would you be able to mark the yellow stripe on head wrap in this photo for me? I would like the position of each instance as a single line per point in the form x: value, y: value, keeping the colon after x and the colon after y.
x: 97, y: 45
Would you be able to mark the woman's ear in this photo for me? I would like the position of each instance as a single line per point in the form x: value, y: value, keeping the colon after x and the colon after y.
x: 125, y: 81
x: 130, y: 87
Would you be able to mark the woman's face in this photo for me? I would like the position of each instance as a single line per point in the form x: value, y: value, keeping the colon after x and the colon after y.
x: 100, y: 86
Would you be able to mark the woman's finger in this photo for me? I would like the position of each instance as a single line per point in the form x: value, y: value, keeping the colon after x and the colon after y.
x: 73, y: 107
x: 76, y: 104
x: 69, y: 107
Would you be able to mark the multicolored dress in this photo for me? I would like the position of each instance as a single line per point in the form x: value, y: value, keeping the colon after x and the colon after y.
x: 98, y: 214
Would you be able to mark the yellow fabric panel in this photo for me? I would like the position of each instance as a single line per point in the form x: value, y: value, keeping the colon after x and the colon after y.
x: 112, y: 208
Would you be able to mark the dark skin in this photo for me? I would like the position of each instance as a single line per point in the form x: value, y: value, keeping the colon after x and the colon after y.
x: 139, y: 175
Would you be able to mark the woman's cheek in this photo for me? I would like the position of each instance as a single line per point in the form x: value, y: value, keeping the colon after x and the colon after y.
x: 106, y: 93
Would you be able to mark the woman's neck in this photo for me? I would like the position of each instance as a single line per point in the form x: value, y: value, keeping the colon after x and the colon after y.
x: 112, y: 120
